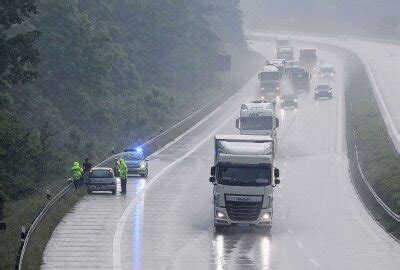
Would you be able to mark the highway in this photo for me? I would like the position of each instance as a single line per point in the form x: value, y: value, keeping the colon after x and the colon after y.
x: 381, y: 59
x: 166, y: 220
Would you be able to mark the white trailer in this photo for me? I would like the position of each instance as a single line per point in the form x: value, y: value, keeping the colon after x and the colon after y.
x: 244, y: 176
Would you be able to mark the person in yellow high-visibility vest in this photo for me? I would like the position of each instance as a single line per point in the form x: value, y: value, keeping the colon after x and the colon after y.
x: 123, y: 174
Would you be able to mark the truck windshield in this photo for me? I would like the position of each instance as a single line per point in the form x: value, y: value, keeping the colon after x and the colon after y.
x: 256, y: 123
x: 244, y: 176
x: 265, y: 76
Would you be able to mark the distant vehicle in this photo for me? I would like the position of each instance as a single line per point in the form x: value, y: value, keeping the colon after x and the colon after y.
x: 258, y: 118
x: 283, y: 42
x: 136, y: 162
x: 280, y: 64
x: 289, y: 101
x: 101, y: 179
x: 323, y: 91
x: 285, y: 52
x: 244, y: 176
x: 291, y: 67
x: 308, y: 58
x: 270, y: 82
x: 327, y: 72
x: 301, y: 80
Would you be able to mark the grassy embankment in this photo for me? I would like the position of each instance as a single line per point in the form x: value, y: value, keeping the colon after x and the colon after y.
x: 378, y: 159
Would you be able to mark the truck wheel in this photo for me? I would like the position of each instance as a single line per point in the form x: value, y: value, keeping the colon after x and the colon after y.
x: 88, y: 191
x: 219, y: 228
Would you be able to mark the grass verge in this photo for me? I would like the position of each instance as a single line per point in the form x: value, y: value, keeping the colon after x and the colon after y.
x: 378, y: 160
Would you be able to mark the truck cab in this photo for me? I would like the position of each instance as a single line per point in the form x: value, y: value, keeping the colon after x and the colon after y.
x: 308, y: 58
x: 244, y: 176
x: 270, y: 82
x: 258, y: 118
x: 301, y: 80
x: 285, y: 52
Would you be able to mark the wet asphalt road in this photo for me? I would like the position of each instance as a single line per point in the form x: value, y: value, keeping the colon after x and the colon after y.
x: 166, y: 222
x: 382, y: 60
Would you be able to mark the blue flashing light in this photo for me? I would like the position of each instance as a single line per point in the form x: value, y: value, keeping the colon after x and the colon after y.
x: 139, y: 149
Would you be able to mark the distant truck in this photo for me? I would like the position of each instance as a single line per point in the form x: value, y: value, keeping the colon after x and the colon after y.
x: 270, y: 82
x: 291, y: 67
x: 285, y: 52
x: 308, y: 58
x: 301, y: 80
x: 258, y: 118
x: 282, y: 42
x: 280, y: 64
x: 244, y: 176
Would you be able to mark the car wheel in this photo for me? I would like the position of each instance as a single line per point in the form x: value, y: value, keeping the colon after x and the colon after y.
x: 145, y: 173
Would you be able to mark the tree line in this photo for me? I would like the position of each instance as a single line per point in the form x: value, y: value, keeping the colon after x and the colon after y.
x: 78, y: 77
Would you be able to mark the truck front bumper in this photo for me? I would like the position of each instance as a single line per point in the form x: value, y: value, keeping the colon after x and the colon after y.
x: 226, y: 221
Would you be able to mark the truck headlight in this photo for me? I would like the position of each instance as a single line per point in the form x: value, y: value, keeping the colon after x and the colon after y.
x: 262, y: 88
x: 277, y: 88
x: 220, y: 214
x: 143, y: 165
x: 266, y: 216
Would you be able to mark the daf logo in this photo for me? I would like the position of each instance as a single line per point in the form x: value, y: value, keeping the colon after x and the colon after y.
x: 243, y: 198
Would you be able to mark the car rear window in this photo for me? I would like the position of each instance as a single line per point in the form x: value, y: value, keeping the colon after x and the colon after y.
x: 101, y: 174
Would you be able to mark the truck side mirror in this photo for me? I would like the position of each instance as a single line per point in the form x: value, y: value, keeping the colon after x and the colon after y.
x: 212, y: 179
x: 277, y: 181
x: 212, y: 171
x: 276, y: 122
x: 238, y: 123
x: 276, y: 172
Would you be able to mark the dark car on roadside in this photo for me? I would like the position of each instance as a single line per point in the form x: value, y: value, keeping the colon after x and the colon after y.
x: 323, y: 91
x: 289, y: 101
x: 101, y: 179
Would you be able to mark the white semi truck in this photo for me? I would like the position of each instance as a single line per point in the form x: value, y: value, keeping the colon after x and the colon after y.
x: 258, y: 118
x: 244, y: 176
x: 270, y: 82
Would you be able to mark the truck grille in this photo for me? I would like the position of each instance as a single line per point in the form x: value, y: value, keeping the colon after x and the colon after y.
x: 243, y: 211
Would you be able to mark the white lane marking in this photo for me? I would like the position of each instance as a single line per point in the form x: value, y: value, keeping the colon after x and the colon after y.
x: 314, y: 262
x: 117, y: 256
x: 383, y: 108
x: 300, y: 245
x: 340, y: 133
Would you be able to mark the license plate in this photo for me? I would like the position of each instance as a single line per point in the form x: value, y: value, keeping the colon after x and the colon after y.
x: 243, y: 225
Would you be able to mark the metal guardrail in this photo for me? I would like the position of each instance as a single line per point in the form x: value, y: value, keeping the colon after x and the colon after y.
x: 389, y: 211
x: 149, y: 147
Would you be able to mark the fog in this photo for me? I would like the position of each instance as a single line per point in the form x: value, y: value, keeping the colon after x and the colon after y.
x: 364, y: 17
